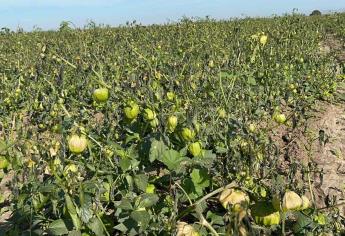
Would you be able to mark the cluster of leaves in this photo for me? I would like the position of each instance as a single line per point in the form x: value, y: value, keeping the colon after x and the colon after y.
x: 219, y: 78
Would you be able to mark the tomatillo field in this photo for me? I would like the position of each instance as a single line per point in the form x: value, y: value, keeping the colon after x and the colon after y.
x: 164, y: 129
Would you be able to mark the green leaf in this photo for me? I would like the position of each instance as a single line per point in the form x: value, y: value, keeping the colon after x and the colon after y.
x: 3, y: 146
x: 128, y: 226
x: 189, y: 187
x: 200, y: 178
x: 214, y: 218
x: 141, y: 181
x: 156, y: 150
x: 171, y: 159
x: 121, y: 227
x: 321, y: 219
x: 221, y: 150
x: 141, y: 217
x: 225, y: 74
x: 74, y: 233
x: 57, y: 227
x: 72, y: 211
x: 47, y: 188
x: 85, y: 200
x: 125, y: 163
x: 208, y: 155
x: 125, y: 204
x: 148, y: 200
x: 251, y: 80
x: 96, y: 226
x: 85, y: 213
x: 303, y: 223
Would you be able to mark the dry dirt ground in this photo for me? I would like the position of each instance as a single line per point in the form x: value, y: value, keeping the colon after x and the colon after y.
x: 327, y: 144
x: 321, y: 140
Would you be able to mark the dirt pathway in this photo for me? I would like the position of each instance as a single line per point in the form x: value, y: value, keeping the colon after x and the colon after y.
x: 327, y: 150
x: 322, y: 140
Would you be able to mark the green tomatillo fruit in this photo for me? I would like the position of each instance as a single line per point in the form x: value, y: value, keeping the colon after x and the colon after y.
x: 280, y: 118
x: 265, y: 214
x: 131, y: 110
x: 195, y: 149
x: 150, y: 188
x: 3, y: 162
x: 154, y: 123
x: 77, y: 144
x: 172, y: 123
x: 171, y: 96
x: 237, y: 199
x: 149, y: 114
x: 101, y: 94
x: 187, y: 134
x: 291, y: 201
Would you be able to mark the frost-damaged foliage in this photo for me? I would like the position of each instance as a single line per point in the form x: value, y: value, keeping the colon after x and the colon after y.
x: 155, y: 130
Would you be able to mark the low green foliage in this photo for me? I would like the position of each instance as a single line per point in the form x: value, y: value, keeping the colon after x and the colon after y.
x: 171, y: 114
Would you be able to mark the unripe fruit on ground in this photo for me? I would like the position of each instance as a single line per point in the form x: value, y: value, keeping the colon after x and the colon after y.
x: 77, y: 144
x: 195, y: 149
x: 131, y: 110
x: 235, y: 198
x: 172, y: 123
x: 265, y: 214
x: 187, y: 134
x: 101, y: 94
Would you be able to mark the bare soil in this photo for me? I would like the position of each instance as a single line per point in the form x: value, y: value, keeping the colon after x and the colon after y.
x: 321, y: 141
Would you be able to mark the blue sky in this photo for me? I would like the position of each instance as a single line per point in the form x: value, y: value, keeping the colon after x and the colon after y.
x: 48, y: 14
